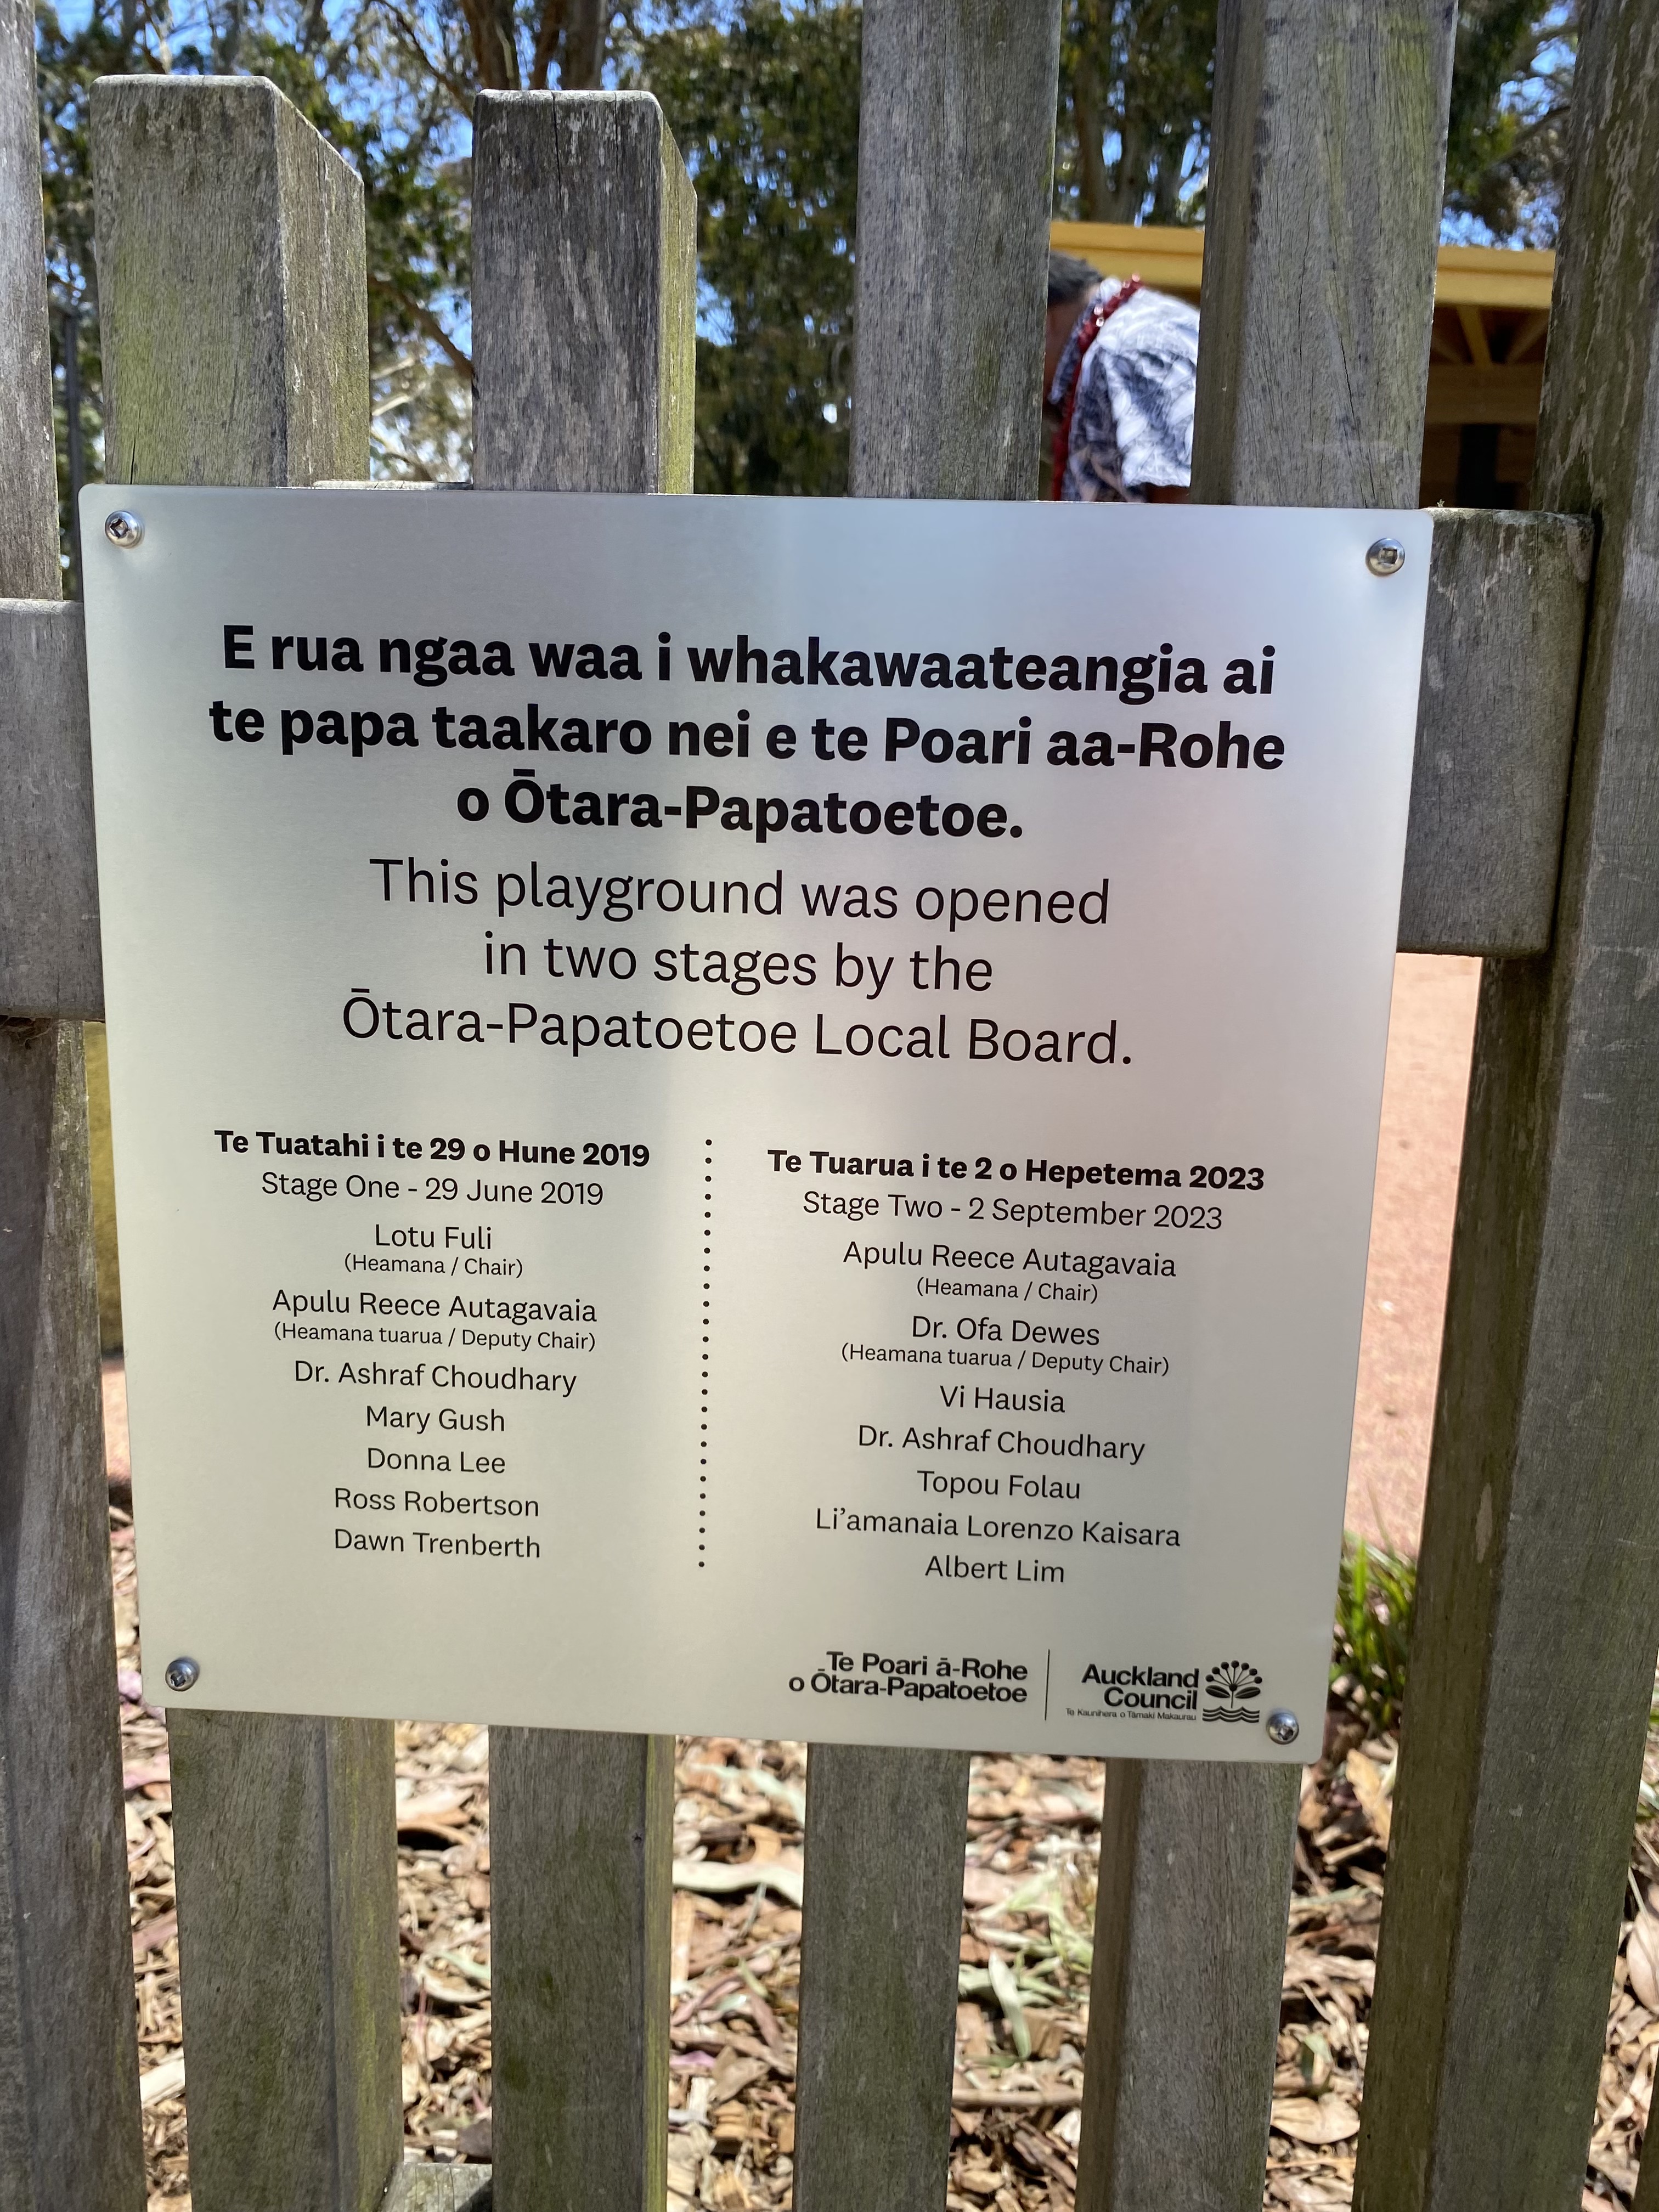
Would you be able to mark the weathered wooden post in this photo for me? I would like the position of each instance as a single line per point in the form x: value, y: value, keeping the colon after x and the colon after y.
x: 1328, y: 155
x: 1538, y: 1607
x: 584, y: 316
x: 233, y: 308
x: 69, y: 2065
x: 28, y: 484
x: 956, y: 165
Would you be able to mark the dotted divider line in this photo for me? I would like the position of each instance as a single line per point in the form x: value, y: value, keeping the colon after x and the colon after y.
x: 707, y: 1293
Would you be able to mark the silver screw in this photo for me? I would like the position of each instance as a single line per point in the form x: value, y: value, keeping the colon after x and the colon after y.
x: 1282, y: 1727
x: 123, y: 528
x: 182, y: 1674
x: 1387, y: 557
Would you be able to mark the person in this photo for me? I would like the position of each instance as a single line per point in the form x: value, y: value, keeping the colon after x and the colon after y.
x: 1120, y: 370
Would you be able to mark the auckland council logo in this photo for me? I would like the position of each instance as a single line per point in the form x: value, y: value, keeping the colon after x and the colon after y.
x: 1235, y: 1686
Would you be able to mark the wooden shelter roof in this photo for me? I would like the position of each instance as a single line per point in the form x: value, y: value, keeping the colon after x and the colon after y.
x: 1172, y: 258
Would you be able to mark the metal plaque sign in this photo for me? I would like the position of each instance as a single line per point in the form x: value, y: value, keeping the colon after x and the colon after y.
x: 746, y: 1115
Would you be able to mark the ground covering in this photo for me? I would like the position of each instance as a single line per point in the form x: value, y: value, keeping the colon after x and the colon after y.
x: 1022, y: 2020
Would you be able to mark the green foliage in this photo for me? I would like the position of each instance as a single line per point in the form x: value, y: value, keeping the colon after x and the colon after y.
x: 1137, y: 82
x: 1506, y: 146
x: 1136, y: 78
x: 1375, y: 1602
x: 765, y: 111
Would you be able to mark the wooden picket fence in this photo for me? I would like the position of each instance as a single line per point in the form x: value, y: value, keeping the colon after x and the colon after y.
x: 232, y: 293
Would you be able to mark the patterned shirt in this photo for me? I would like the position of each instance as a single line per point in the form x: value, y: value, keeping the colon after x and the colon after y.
x: 1132, y: 427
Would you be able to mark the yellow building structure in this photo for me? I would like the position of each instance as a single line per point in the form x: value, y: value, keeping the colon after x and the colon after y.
x: 1492, y: 313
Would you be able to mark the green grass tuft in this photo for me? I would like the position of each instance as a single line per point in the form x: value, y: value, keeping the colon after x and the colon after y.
x: 1376, y: 1599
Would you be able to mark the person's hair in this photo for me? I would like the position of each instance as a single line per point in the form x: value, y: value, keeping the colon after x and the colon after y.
x: 1069, y: 278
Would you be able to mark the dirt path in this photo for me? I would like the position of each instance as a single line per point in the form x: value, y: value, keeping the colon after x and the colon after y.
x: 1430, y: 1035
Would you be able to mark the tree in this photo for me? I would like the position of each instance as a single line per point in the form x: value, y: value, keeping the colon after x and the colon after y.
x: 1506, y: 147
x: 1136, y: 84
x: 1133, y: 135
x: 765, y: 109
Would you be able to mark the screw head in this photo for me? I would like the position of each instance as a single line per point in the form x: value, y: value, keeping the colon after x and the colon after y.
x: 1387, y: 557
x: 123, y: 528
x: 181, y: 1673
x: 1283, y: 1726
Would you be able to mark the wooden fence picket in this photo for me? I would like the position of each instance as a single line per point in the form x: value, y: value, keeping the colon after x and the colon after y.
x: 234, y: 324
x: 956, y: 165
x: 1328, y: 153
x: 68, y: 2056
x: 1538, y: 1607
x: 881, y: 1932
x: 584, y: 315
x: 1495, y: 722
x: 69, y: 2072
x: 28, y: 481
x: 51, y: 962
x: 956, y: 162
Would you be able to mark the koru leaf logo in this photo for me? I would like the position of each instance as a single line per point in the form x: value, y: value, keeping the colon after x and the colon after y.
x: 1235, y: 1686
